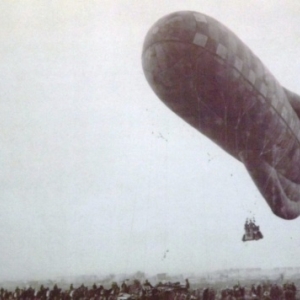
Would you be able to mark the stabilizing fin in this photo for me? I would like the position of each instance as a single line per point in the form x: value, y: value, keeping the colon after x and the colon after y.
x: 282, y: 195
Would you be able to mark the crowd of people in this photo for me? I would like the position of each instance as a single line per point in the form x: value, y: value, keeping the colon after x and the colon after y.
x: 160, y: 291
x: 274, y: 291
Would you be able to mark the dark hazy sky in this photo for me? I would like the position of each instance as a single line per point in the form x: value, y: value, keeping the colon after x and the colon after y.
x: 97, y: 175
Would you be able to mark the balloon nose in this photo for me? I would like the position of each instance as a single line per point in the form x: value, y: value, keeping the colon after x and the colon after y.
x: 165, y: 45
x: 179, y: 26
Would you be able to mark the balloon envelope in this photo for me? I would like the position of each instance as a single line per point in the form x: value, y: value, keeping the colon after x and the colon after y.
x: 206, y: 75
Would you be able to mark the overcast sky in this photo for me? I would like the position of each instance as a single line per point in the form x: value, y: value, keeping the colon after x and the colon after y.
x: 97, y: 175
